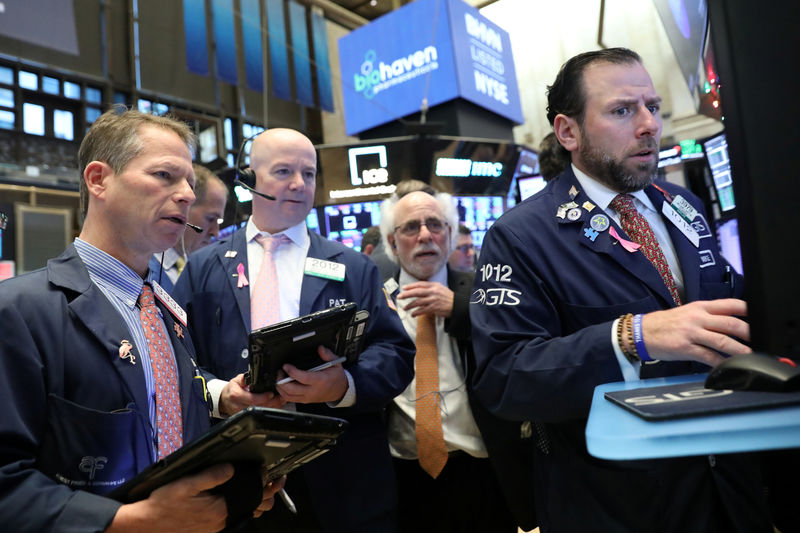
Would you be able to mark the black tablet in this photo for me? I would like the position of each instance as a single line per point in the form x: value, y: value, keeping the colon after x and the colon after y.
x: 278, y: 440
x: 340, y: 328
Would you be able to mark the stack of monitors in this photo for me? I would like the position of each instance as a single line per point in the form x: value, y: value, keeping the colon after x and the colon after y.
x: 478, y: 213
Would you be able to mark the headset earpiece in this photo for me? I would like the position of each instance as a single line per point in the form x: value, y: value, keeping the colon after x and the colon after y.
x: 247, y: 176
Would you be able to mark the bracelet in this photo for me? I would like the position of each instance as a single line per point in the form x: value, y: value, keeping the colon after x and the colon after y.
x: 638, y: 339
x: 625, y: 338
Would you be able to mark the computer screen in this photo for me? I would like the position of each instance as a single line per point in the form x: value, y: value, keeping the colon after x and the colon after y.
x: 346, y: 223
x: 530, y: 186
x: 728, y: 239
x: 478, y: 213
x: 718, y: 161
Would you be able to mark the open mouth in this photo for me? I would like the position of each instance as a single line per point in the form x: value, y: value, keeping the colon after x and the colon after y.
x: 177, y: 219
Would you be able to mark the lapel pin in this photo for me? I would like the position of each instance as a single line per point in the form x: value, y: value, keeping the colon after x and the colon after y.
x: 588, y: 206
x: 242, y: 278
x: 590, y: 234
x: 125, y: 351
x: 628, y: 245
x: 178, y: 330
x: 562, y: 212
x: 599, y: 222
x: 574, y: 214
x: 573, y: 192
x: 230, y: 253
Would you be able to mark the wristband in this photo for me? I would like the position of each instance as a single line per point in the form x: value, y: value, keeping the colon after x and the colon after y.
x: 638, y: 339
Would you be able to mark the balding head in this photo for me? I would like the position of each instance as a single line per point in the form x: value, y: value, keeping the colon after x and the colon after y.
x: 285, y: 163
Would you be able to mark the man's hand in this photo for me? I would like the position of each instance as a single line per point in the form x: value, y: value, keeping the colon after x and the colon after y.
x: 431, y: 298
x: 327, y: 385
x: 268, y: 498
x: 236, y: 396
x: 183, y: 505
x: 697, y: 331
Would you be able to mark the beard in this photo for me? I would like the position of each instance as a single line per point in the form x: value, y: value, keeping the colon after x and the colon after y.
x: 622, y: 176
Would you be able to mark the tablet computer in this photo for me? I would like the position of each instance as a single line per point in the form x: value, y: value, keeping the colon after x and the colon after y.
x: 340, y: 328
x: 278, y: 440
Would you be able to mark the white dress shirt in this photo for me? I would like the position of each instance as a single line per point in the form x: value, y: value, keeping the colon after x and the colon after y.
x: 460, y: 430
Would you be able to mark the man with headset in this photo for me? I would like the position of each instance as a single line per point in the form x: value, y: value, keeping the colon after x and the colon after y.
x: 352, y: 487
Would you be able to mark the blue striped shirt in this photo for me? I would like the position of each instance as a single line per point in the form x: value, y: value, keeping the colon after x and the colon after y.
x: 122, y: 286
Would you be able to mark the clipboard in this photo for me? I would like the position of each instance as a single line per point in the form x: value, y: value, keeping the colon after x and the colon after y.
x: 340, y: 329
x: 280, y: 441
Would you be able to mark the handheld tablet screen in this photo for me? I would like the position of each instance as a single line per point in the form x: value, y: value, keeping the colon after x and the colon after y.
x: 295, y: 341
x: 278, y: 440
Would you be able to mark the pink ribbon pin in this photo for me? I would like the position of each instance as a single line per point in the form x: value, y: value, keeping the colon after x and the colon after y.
x: 628, y: 245
x: 242, y: 279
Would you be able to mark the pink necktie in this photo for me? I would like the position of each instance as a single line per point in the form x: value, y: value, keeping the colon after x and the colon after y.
x: 431, y: 448
x: 264, y: 300
x: 638, y: 229
x: 169, y: 423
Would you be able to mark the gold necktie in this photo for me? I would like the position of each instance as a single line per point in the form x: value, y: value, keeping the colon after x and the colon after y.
x: 431, y: 448
x: 180, y: 262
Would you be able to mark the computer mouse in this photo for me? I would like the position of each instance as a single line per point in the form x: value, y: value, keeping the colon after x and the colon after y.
x: 755, y: 372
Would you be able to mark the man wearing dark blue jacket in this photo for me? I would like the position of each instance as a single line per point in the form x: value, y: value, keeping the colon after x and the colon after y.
x: 85, y: 402
x: 598, y: 278
x: 351, y: 488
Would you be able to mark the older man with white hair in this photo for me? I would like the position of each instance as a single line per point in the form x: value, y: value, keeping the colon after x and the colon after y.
x: 445, y: 479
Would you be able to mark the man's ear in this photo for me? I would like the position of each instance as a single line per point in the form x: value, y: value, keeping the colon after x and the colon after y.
x: 390, y: 238
x: 95, y: 177
x: 567, y: 131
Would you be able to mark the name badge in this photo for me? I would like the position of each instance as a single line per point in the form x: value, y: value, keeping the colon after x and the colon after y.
x: 684, y: 208
x: 164, y: 297
x: 390, y: 285
x: 688, y: 231
x: 324, y: 269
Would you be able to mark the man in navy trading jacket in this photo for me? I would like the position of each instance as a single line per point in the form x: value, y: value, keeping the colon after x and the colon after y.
x: 351, y: 488
x: 587, y: 283
x: 83, y: 409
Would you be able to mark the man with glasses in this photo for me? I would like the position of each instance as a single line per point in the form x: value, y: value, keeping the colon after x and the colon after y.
x: 445, y: 479
x: 463, y: 256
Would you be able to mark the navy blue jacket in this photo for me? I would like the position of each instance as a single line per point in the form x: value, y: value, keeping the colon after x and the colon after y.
x: 545, y: 298
x: 352, y: 487
x: 73, y: 410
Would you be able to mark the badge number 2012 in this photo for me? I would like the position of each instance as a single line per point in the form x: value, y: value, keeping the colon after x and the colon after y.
x: 499, y: 273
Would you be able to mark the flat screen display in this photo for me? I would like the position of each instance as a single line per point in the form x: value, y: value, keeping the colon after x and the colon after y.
x: 478, y: 213
x: 530, y: 186
x: 728, y: 239
x: 718, y: 161
x: 346, y: 223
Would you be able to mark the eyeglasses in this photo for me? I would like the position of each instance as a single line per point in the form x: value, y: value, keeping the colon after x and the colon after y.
x: 465, y: 248
x: 412, y: 227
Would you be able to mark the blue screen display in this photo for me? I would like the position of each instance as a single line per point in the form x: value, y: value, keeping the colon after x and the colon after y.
x: 347, y: 223
x: 478, y: 213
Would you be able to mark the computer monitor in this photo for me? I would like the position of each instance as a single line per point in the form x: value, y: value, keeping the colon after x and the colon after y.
x: 478, y: 213
x: 346, y: 223
x: 719, y: 162
x: 761, y: 132
x: 530, y: 186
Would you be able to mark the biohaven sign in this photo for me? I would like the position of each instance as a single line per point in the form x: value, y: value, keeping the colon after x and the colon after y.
x: 429, y: 49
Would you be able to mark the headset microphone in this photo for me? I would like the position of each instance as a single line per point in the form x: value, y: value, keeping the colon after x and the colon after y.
x: 252, y: 190
x: 197, y: 229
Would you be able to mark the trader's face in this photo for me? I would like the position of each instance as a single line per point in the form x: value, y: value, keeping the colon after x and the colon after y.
x: 207, y: 216
x: 422, y: 253
x: 285, y: 164
x: 145, y: 206
x: 463, y: 256
x: 618, y: 139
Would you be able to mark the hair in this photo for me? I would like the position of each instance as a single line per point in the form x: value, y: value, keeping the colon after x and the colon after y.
x: 411, y: 185
x: 203, y: 177
x: 567, y: 96
x: 463, y: 230
x: 553, y: 158
x: 371, y: 236
x: 114, y: 140
x: 387, y: 219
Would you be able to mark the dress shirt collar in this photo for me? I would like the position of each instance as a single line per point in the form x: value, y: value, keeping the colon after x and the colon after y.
x: 170, y: 258
x: 298, y: 233
x: 602, y: 195
x: 109, y: 273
